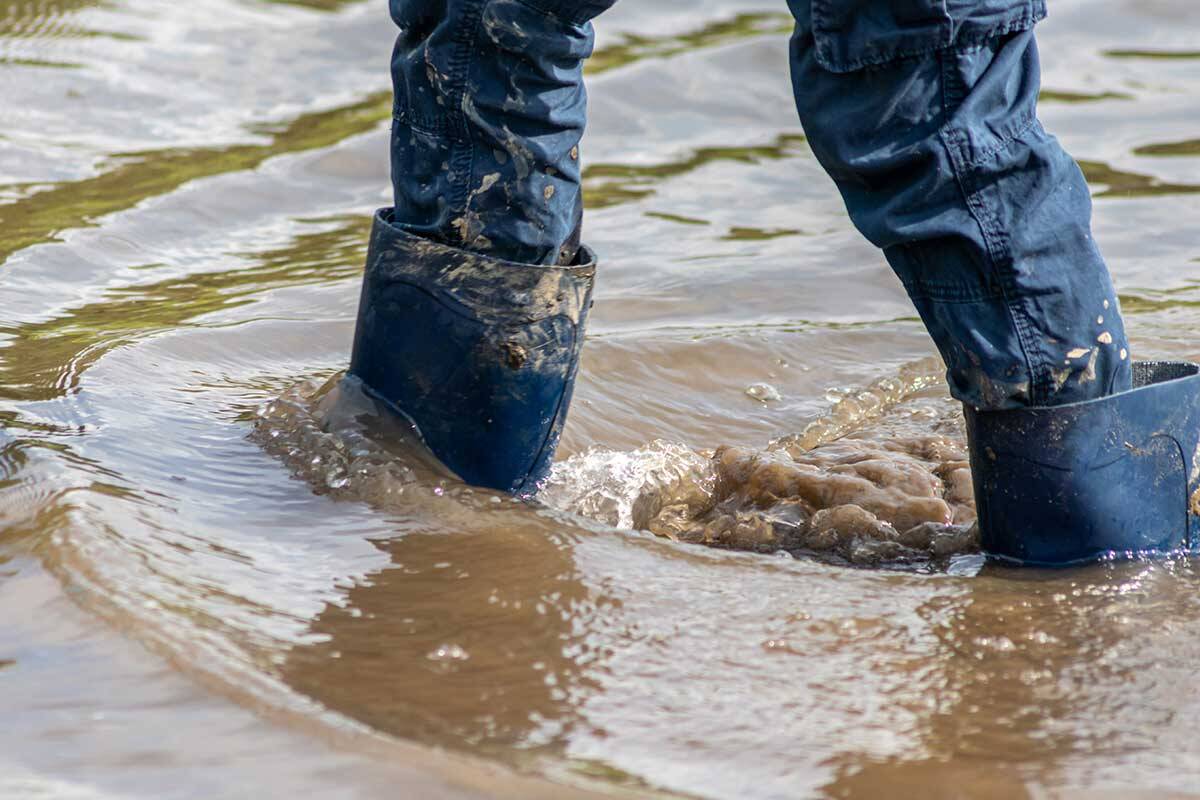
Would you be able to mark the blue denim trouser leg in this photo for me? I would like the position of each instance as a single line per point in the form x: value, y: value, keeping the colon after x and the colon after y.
x: 924, y: 114
x: 922, y: 111
x: 489, y: 109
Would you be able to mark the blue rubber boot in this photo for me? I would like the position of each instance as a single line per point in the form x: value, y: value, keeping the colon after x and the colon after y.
x: 1116, y: 477
x: 479, y: 353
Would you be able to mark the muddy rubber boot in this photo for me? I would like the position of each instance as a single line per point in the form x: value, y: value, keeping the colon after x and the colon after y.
x: 1116, y: 477
x: 479, y: 353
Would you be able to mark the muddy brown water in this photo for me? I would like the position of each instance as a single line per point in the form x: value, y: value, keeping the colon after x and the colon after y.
x: 752, y: 574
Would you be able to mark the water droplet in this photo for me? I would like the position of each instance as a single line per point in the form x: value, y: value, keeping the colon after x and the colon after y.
x: 763, y: 393
x: 448, y: 653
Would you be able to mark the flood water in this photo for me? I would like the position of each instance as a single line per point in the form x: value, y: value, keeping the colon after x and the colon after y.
x: 223, y: 575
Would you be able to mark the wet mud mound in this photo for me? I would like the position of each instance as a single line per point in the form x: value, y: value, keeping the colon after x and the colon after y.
x: 882, y: 478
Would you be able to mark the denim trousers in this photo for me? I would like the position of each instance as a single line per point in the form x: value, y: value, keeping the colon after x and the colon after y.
x: 923, y: 112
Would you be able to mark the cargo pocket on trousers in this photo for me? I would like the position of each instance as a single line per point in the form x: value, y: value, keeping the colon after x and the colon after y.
x: 857, y: 34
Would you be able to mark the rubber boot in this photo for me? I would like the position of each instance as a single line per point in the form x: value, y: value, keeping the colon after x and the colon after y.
x: 1116, y: 477
x: 478, y: 353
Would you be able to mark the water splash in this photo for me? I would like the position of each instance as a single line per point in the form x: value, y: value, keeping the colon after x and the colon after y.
x: 619, y: 487
x: 880, y: 479
x: 344, y: 443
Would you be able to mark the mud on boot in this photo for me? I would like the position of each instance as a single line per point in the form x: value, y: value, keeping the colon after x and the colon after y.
x: 479, y: 353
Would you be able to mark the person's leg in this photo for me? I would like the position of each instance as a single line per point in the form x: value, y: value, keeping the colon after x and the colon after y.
x: 924, y: 114
x: 476, y: 290
x: 926, y: 120
x: 489, y: 110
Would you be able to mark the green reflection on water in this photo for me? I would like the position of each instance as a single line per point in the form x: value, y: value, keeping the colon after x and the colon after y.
x: 133, y: 177
x: 39, y: 63
x: 607, y: 185
x: 1140, y: 301
x: 1055, y: 96
x: 49, y: 19
x: 1163, y: 55
x: 678, y: 218
x: 1119, y: 183
x: 46, y: 359
x: 41, y: 18
x: 634, y: 47
x: 1191, y: 147
x: 760, y: 234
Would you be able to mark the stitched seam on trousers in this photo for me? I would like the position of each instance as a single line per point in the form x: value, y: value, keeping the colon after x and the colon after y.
x: 418, y: 122
x: 579, y: 18
x: 824, y: 38
x: 1041, y: 379
x: 937, y: 291
x: 952, y: 301
x: 949, y: 295
x: 460, y: 63
x: 1000, y: 253
x: 965, y: 45
x: 1023, y: 124
x: 988, y: 228
x: 953, y: 90
x: 463, y: 156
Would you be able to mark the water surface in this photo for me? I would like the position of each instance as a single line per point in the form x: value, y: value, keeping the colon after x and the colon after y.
x: 194, y: 607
